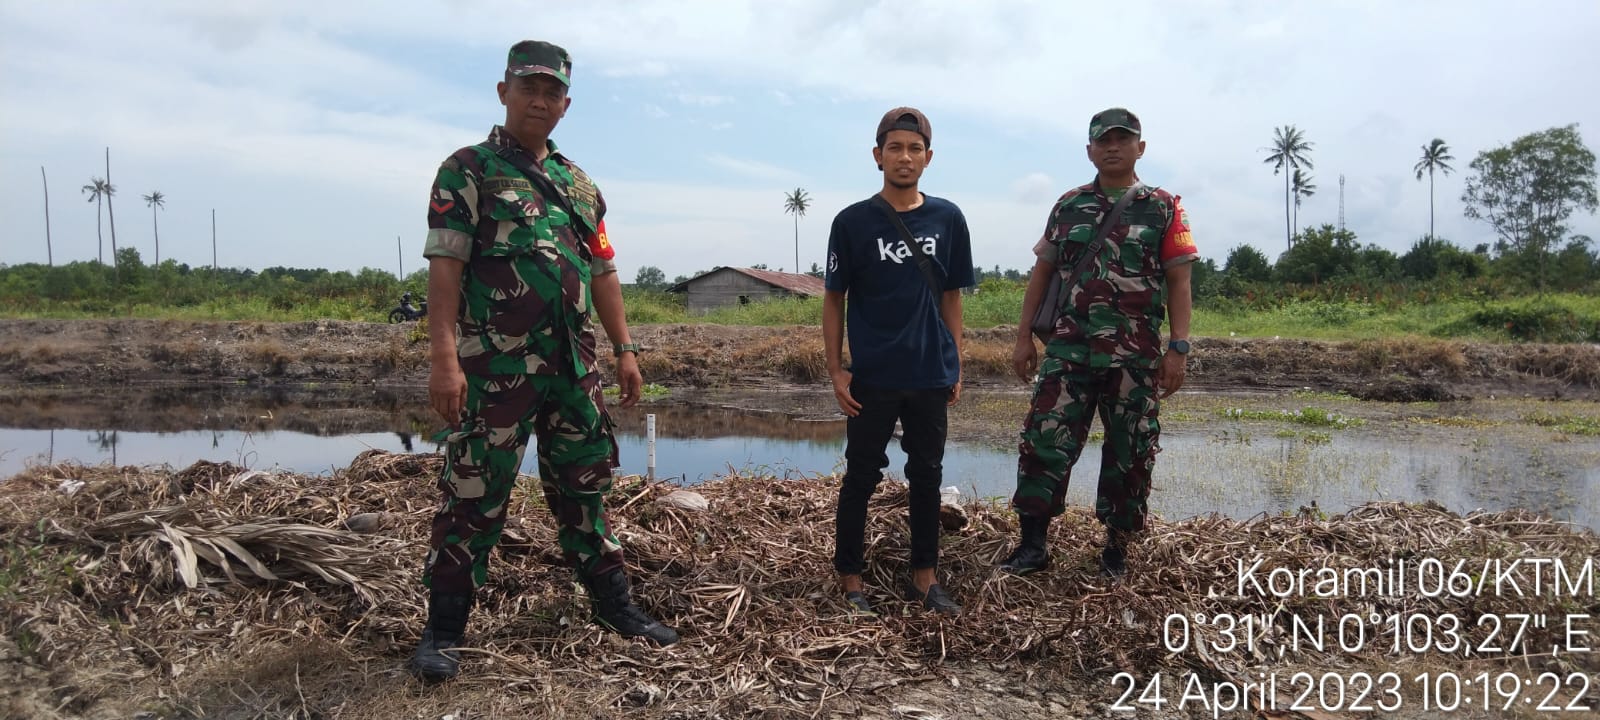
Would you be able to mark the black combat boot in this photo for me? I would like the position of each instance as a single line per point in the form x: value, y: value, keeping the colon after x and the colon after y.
x: 1031, y: 554
x: 436, y: 658
x: 614, y: 608
x: 1114, y: 558
x: 935, y: 599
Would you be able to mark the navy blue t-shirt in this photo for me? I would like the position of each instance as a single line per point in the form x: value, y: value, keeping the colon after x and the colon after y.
x: 897, y: 338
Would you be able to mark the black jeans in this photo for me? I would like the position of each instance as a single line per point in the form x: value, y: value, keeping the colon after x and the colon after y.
x: 922, y: 418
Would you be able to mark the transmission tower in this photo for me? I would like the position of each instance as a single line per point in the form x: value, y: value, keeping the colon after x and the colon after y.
x: 1341, y: 202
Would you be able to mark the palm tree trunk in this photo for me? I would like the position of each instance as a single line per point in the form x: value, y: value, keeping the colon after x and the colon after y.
x: 1430, y: 203
x: 99, y: 235
x: 155, y: 223
x: 1287, y: 230
x: 797, y: 244
x: 49, y: 254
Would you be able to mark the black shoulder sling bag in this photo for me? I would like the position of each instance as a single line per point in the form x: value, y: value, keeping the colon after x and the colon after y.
x: 1049, y: 310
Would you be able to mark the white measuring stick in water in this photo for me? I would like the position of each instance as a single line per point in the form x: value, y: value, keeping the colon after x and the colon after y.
x: 650, y: 444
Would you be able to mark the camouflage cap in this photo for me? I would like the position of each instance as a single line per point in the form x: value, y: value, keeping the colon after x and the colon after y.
x: 537, y: 56
x: 905, y: 118
x: 1112, y: 118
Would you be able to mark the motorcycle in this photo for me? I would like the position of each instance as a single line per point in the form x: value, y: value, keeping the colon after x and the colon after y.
x: 406, y: 312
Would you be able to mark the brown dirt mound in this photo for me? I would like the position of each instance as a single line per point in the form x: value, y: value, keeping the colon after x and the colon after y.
x: 99, y: 353
x: 218, y: 594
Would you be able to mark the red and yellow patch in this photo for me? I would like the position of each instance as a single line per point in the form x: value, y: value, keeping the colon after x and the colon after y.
x: 1179, y: 241
x: 600, y: 244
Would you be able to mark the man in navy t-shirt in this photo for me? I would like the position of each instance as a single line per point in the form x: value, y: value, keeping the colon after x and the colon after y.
x: 905, y: 348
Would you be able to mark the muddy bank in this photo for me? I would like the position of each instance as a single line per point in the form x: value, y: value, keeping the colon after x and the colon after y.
x: 105, y: 353
x: 313, y: 409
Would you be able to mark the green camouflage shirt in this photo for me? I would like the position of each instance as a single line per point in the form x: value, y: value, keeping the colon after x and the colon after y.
x: 525, y: 300
x: 1111, y: 316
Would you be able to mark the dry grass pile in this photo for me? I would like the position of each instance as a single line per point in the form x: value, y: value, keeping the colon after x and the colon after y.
x: 1576, y: 364
x: 180, y: 590
x: 798, y: 357
x: 1411, y: 356
x: 695, y: 354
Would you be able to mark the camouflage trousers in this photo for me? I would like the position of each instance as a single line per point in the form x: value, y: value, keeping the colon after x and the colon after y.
x: 1065, y: 402
x: 576, y: 450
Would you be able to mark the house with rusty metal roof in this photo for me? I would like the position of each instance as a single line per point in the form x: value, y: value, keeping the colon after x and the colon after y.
x: 726, y: 286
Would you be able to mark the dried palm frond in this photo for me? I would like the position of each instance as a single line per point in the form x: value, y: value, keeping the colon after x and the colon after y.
x: 145, y: 588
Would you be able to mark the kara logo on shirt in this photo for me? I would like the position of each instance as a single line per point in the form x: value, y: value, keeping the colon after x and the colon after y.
x: 898, y: 252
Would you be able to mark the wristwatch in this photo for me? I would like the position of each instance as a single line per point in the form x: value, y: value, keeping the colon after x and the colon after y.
x: 1180, y: 347
x: 618, y: 349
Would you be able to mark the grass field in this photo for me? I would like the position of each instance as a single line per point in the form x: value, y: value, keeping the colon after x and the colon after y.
x: 1552, y: 318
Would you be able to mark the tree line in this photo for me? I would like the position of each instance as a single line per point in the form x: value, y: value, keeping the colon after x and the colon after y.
x: 130, y: 286
x: 1526, y: 191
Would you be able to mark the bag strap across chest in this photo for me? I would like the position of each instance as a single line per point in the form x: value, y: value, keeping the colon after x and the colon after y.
x: 1092, y: 252
x: 551, y: 191
x: 935, y: 284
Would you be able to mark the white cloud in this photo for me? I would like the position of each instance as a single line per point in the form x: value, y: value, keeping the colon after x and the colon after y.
x: 704, y: 100
x: 1268, y: 30
x: 641, y: 69
x: 685, y: 227
x: 753, y: 169
x: 300, y: 132
x: 1036, y: 188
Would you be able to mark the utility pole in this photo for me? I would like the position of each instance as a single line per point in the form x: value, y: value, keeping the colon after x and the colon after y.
x: 112, y: 216
x: 213, y: 239
x: 49, y: 255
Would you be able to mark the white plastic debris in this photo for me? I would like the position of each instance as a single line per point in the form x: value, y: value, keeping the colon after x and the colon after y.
x: 685, y: 500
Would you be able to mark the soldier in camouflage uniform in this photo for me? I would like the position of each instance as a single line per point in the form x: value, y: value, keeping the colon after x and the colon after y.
x: 517, y: 253
x: 1105, y: 355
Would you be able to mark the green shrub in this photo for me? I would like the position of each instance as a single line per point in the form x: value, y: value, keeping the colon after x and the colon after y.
x: 1569, y: 424
x: 1538, y: 321
x: 1312, y: 416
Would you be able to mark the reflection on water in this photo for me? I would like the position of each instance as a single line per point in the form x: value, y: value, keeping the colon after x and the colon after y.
x: 693, y: 459
x: 1281, y: 475
x: 1203, y: 468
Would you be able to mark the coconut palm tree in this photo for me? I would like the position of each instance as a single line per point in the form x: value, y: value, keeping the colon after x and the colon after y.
x: 1300, y: 185
x: 98, y: 191
x: 156, y: 201
x: 796, y: 204
x: 1435, y: 156
x: 1287, y: 153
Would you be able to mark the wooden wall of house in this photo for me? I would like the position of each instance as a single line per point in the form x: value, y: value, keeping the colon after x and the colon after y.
x: 724, y: 288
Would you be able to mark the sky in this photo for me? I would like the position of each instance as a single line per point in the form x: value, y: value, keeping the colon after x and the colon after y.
x: 313, y: 129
